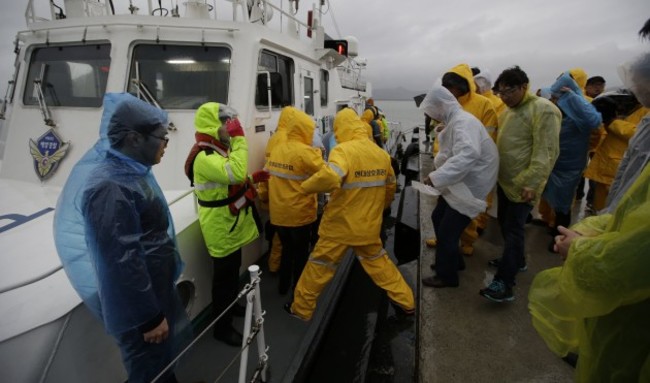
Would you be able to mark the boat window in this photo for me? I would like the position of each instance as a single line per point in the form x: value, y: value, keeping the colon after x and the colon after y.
x: 281, y: 69
x: 180, y: 77
x: 69, y: 75
x: 309, y: 96
x: 324, y: 87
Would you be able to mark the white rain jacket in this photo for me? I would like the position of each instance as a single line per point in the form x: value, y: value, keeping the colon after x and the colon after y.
x: 468, y: 162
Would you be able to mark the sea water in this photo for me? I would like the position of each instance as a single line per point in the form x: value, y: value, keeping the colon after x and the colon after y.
x: 406, y: 113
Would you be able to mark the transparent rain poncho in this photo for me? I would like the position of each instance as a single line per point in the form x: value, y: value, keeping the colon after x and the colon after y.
x: 598, y: 303
x: 113, y: 229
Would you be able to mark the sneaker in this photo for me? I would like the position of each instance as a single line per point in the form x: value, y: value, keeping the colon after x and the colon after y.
x: 497, y: 291
x: 431, y: 242
x: 497, y: 261
x: 437, y: 282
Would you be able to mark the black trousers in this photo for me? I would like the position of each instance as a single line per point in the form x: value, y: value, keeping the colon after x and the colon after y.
x: 225, y: 286
x: 295, y: 251
x: 448, y: 225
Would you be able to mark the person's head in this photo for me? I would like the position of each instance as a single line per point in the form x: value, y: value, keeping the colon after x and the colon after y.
x: 636, y: 77
x: 595, y: 86
x: 211, y: 119
x: 511, y: 86
x: 606, y: 107
x: 483, y: 82
x: 456, y: 84
x: 440, y: 104
x: 137, y: 129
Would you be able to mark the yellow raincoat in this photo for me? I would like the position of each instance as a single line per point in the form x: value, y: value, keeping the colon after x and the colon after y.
x: 291, y: 163
x: 362, y: 182
x: 280, y: 136
x: 598, y: 303
x: 474, y: 103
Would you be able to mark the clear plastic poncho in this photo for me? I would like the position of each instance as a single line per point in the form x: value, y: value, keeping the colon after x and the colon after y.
x: 598, y: 303
x: 113, y: 230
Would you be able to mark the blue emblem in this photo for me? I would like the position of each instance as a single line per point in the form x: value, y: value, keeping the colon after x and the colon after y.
x: 48, y: 150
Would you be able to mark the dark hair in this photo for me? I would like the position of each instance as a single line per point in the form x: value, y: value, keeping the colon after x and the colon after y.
x: 607, y: 108
x: 454, y: 80
x: 644, y: 32
x: 512, y: 77
x: 596, y: 80
x: 475, y: 70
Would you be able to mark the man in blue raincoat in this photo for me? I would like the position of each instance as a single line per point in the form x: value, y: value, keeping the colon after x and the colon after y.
x: 579, y: 119
x: 115, y: 237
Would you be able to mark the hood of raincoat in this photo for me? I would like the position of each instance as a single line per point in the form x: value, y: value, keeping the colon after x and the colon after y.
x: 300, y: 127
x: 636, y: 77
x: 348, y: 126
x: 369, y: 114
x: 580, y: 77
x: 465, y: 72
x: 122, y: 112
x: 440, y: 104
x: 483, y: 81
x: 209, y: 115
x: 565, y: 80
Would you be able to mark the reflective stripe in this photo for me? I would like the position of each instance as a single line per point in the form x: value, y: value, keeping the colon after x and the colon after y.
x: 337, y: 170
x: 364, y: 184
x: 208, y: 186
x: 231, y: 176
x: 324, y: 263
x: 297, y: 177
x: 381, y: 254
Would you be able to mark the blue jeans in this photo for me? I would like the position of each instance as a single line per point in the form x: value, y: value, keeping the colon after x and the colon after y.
x: 512, y: 218
x: 448, y: 224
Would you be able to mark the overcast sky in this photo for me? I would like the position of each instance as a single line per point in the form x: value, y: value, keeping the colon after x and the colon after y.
x: 410, y: 43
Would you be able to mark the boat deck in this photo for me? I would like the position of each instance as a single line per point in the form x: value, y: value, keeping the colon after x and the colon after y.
x: 466, y: 338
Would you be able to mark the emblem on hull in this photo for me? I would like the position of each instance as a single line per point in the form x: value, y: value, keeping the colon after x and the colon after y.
x: 48, y: 150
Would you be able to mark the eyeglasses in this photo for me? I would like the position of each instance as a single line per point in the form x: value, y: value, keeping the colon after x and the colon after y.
x: 165, y: 138
x: 507, y: 92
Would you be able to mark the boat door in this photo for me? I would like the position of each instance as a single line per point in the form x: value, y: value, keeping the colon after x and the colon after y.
x: 307, y: 90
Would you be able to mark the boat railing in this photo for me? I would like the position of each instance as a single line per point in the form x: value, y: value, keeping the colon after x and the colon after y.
x: 253, y: 328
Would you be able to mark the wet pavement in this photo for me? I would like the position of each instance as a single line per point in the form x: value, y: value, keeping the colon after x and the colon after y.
x: 464, y: 337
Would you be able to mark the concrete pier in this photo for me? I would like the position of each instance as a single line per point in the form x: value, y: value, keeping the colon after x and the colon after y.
x: 464, y: 337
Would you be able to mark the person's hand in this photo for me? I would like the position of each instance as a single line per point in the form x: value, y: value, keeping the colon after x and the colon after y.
x: 440, y: 127
x: 528, y: 194
x: 565, y: 89
x: 563, y: 241
x: 158, y: 334
x: 427, y: 181
x: 234, y: 128
x: 260, y: 176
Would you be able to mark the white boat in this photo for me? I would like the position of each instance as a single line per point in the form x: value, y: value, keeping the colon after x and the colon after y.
x: 255, y: 56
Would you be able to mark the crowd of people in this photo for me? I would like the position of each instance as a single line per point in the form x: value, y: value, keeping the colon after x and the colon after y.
x: 596, y: 306
x: 115, y: 235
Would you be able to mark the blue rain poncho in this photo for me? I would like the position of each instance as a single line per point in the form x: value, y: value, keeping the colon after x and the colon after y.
x: 579, y: 119
x: 113, y: 229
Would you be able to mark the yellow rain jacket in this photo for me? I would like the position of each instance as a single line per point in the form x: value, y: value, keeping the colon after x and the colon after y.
x: 598, y: 303
x: 528, y: 144
x: 280, y: 136
x: 603, y: 165
x: 291, y: 163
x: 223, y: 232
x: 368, y: 116
x: 497, y: 103
x: 476, y: 104
x: 363, y: 181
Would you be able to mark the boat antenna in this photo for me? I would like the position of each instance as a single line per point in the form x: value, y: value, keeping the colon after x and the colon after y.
x: 160, y: 9
x: 60, y: 15
x: 110, y: 2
